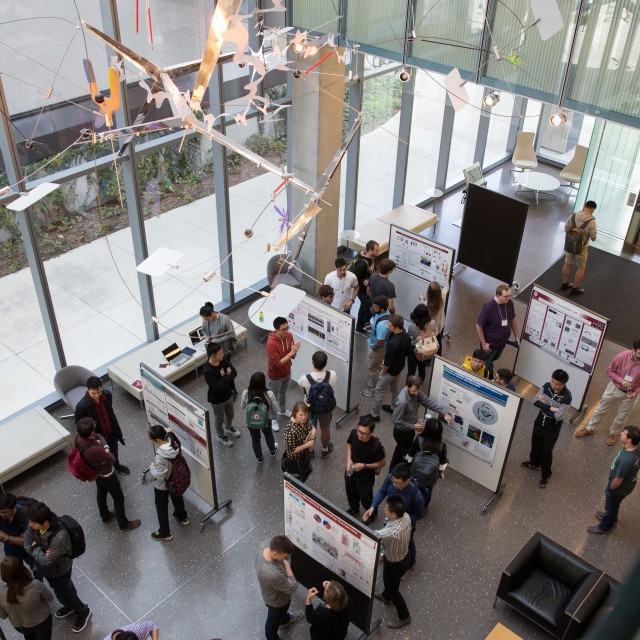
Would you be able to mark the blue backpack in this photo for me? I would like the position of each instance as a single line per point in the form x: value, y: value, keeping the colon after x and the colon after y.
x: 320, y: 398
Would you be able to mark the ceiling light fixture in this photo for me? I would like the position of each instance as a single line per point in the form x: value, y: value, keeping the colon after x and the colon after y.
x: 558, y: 118
x: 298, y: 47
x: 491, y: 99
x: 405, y: 75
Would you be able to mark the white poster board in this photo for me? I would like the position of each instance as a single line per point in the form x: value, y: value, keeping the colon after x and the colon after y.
x: 485, y: 416
x: 323, y: 328
x: 170, y: 407
x: 558, y: 334
x: 419, y: 261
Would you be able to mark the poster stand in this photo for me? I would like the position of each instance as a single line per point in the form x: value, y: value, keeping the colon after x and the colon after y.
x: 169, y: 406
x: 332, y: 545
x: 485, y: 416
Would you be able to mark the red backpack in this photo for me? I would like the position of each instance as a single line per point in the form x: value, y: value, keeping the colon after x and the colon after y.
x: 78, y: 466
x: 180, y: 477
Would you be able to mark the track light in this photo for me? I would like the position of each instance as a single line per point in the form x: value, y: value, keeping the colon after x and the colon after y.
x: 405, y: 75
x: 298, y: 47
x: 491, y: 99
x: 558, y: 118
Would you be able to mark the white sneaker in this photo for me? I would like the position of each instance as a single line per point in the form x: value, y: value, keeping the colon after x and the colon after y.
x: 286, y: 414
x: 233, y: 432
x: 224, y: 441
x: 275, y: 426
x: 275, y: 451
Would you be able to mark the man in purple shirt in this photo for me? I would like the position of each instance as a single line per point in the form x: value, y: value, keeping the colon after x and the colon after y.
x: 495, y: 323
x: 621, y: 392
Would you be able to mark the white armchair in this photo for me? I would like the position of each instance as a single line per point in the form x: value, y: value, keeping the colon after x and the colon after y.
x: 572, y: 173
x: 524, y: 155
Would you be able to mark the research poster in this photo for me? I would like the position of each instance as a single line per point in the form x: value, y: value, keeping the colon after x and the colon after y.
x: 327, y: 328
x: 570, y: 333
x: 420, y: 257
x: 477, y: 407
x: 168, y: 406
x: 329, y: 540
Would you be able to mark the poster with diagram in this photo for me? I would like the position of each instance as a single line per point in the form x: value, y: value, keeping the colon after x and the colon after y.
x: 565, y: 330
x: 317, y: 529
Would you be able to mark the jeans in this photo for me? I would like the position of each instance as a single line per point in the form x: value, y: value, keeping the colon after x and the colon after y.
x: 542, y: 442
x: 404, y: 440
x: 275, y: 617
x: 162, y: 510
x: 359, y: 488
x: 279, y: 388
x: 613, y: 397
x: 612, y: 502
x: 494, y: 355
x: 391, y: 574
x: 66, y: 593
x: 268, y: 436
x: 375, y: 366
x: 113, y: 447
x: 41, y: 631
x: 223, y: 416
x: 111, y: 485
x: 364, y: 313
x: 385, y: 381
x: 413, y: 363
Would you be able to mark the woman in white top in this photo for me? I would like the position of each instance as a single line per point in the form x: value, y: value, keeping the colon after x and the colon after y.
x: 435, y: 301
x: 264, y: 405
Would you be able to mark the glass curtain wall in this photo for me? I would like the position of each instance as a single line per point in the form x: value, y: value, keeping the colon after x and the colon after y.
x: 502, y: 120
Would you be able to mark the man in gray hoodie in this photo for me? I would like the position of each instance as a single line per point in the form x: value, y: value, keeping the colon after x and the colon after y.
x: 277, y: 583
x: 405, y: 417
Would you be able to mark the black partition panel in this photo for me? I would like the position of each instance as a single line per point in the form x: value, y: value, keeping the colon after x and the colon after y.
x: 492, y: 229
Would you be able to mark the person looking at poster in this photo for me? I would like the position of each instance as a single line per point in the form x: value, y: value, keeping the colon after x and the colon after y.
x: 365, y: 456
x: 330, y: 620
x: 496, y: 322
x: 277, y: 583
x: 553, y: 400
x: 396, y: 537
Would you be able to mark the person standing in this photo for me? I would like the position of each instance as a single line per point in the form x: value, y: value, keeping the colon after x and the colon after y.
x: 395, y: 358
x: 327, y: 294
x: 318, y: 409
x: 218, y: 329
x: 587, y: 223
x: 405, y: 417
x: 260, y: 406
x: 344, y: 284
x: 495, y: 323
x: 330, y: 620
x: 299, y: 440
x: 622, y: 480
x: 380, y: 285
x: 25, y: 601
x: 281, y: 350
x: 95, y: 452
x: 277, y: 583
x: 48, y: 542
x: 476, y: 363
x: 142, y: 630
x: 98, y: 405
x: 396, y: 538
x: 436, y: 301
x: 365, y: 457
x: 220, y: 375
x: 13, y: 525
x: 363, y: 267
x: 377, y: 342
x: 553, y: 400
x: 419, y: 328
x: 621, y: 392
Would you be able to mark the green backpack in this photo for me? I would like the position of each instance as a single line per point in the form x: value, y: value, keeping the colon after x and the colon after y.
x: 257, y: 413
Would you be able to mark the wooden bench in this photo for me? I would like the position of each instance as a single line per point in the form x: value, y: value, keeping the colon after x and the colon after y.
x: 406, y: 216
x: 126, y: 370
x: 28, y: 439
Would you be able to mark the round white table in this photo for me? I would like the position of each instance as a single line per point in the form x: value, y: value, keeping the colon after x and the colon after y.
x: 537, y: 182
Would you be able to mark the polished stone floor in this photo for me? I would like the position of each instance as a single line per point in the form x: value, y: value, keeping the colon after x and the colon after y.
x: 202, y: 584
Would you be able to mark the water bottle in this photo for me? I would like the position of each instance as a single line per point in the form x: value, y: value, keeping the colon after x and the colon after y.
x: 261, y: 316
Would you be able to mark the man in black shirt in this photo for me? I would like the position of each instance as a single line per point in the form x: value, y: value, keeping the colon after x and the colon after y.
x: 365, y: 454
x: 395, y: 359
x: 219, y: 375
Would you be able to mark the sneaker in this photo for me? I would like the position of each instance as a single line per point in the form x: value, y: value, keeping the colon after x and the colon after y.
x: 275, y: 426
x: 312, y: 455
x: 374, y: 418
x: 260, y: 460
x: 185, y: 521
x: 582, y: 432
x: 224, y: 441
x: 367, y: 393
x: 388, y: 408
x: 353, y: 512
x: 81, y: 621
x: 544, y: 483
x: 274, y: 452
x: 286, y: 414
x: 131, y: 525
x: 233, y: 432
x: 601, y: 515
x: 566, y: 285
x: 612, y: 439
x: 120, y: 468
x: 597, y: 530
x: 378, y: 596
x: 109, y: 517
x: 576, y: 291
x: 398, y: 624
x: 294, y: 616
x: 363, y: 332
x: 63, y: 612
x: 162, y: 537
x: 325, y: 454
x: 527, y: 464
x: 407, y: 574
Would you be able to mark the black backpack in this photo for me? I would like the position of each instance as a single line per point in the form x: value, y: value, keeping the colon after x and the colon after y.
x: 76, y: 535
x: 321, y: 399
x: 576, y: 238
x: 180, y: 477
x: 425, y: 468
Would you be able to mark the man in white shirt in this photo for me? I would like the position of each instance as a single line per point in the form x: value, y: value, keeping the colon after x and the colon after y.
x: 321, y: 416
x: 345, y: 286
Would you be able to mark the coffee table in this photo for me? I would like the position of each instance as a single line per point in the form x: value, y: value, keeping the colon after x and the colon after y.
x: 537, y: 182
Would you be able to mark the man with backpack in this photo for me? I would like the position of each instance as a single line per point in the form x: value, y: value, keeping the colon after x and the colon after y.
x: 53, y: 543
x: 363, y: 267
x: 578, y: 229
x: 95, y: 453
x: 318, y: 387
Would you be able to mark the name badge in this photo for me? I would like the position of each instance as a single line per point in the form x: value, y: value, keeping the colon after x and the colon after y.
x: 505, y: 323
x: 628, y: 378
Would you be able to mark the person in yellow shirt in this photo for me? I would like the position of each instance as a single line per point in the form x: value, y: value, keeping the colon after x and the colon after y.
x: 475, y: 363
